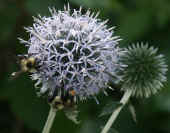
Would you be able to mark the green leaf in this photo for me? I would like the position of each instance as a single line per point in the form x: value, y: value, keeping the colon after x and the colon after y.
x: 133, y: 112
x: 89, y: 126
x: 72, y: 114
x: 109, y: 108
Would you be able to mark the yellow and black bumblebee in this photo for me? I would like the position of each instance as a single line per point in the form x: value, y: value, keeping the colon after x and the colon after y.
x: 30, y: 64
x: 66, y: 100
x: 27, y: 64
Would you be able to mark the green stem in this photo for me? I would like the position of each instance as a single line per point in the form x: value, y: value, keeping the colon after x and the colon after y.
x: 116, y: 112
x: 49, y: 121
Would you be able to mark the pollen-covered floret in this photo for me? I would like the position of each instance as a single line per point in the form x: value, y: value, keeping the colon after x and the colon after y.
x: 74, y: 51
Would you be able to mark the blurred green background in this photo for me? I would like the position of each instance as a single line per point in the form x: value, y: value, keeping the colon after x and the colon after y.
x: 21, y: 111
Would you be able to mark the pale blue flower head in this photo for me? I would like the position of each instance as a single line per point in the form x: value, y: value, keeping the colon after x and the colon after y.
x: 74, y: 51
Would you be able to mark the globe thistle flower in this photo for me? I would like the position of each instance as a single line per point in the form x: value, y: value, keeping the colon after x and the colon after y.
x: 73, y: 52
x: 145, y: 70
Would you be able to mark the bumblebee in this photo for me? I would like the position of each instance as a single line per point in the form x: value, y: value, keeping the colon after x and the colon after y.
x: 67, y: 103
x: 67, y: 100
x: 27, y: 64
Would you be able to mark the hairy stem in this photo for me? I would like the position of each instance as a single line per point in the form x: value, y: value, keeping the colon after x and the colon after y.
x: 49, y: 121
x: 116, y: 112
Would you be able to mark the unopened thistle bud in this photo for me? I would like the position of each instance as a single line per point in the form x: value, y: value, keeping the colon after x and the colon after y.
x: 74, y: 53
x: 145, y: 70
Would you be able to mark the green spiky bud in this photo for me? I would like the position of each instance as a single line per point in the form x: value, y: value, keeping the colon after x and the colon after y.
x: 145, y: 70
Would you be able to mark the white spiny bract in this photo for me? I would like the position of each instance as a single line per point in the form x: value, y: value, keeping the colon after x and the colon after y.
x: 145, y: 70
x: 74, y: 51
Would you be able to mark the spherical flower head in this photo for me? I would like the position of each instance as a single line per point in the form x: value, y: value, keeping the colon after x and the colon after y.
x: 145, y: 70
x: 74, y: 51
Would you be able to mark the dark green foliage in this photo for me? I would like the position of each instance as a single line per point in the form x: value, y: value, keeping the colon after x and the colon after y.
x: 136, y: 20
x: 109, y: 108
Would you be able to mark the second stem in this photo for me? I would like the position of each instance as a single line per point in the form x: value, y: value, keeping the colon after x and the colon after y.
x: 116, y: 112
x: 50, y: 120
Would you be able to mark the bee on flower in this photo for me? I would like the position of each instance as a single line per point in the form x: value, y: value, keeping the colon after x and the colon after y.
x: 74, y: 51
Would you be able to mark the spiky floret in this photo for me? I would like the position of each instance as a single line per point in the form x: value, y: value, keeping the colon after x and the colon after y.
x: 145, y: 70
x: 75, y: 51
